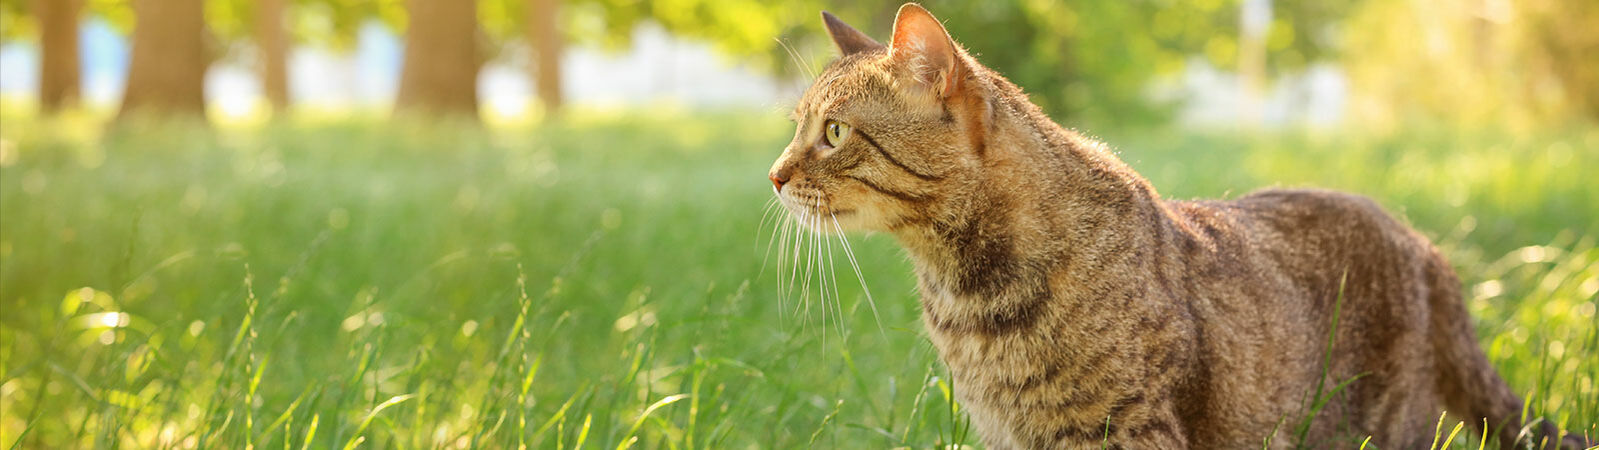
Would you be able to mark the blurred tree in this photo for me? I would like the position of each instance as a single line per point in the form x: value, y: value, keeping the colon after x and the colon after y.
x: 439, y: 74
x: 16, y: 20
x: 59, y: 67
x: 272, y: 41
x: 1091, y: 61
x: 1474, y: 62
x: 533, y: 32
x: 55, y: 24
x: 545, y: 37
x: 116, y: 13
x: 337, y: 23
x: 257, y: 30
x: 166, y: 72
x: 1565, y: 38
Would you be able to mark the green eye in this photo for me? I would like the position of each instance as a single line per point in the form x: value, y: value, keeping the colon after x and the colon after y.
x: 836, y: 133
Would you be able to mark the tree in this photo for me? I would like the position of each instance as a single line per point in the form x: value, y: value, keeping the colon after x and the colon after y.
x: 166, y: 72
x: 1081, y: 61
x: 439, y: 75
x: 272, y: 43
x: 1095, y: 61
x: 260, y: 29
x: 545, y: 37
x: 59, y: 66
x: 1473, y: 62
x: 1566, y: 48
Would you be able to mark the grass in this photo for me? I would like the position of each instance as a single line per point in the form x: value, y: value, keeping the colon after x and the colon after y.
x: 604, y: 283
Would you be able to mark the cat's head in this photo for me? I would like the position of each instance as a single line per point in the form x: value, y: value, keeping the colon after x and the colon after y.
x: 887, y: 134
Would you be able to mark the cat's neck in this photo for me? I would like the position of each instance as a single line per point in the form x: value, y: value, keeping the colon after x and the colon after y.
x: 1054, y: 199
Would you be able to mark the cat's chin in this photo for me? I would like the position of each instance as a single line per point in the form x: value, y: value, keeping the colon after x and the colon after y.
x: 832, y: 221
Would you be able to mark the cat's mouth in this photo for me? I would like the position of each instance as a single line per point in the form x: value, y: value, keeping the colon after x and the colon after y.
x: 815, y: 211
x: 804, y: 212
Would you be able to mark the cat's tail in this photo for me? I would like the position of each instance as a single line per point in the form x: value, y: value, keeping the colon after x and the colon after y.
x: 1468, y: 384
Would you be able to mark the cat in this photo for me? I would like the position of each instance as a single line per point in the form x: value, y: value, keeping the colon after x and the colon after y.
x: 1075, y: 308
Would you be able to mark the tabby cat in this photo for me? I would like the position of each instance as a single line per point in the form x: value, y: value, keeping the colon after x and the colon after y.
x: 1075, y: 307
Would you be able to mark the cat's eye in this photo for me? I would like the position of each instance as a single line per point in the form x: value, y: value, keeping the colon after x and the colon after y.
x: 836, y: 133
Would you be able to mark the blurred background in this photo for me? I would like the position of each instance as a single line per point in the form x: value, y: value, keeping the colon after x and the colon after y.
x: 540, y: 223
x: 1209, y: 62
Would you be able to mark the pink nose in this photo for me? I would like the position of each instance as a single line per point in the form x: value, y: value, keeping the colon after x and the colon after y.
x: 778, y: 180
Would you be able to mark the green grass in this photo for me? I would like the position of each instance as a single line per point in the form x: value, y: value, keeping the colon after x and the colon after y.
x: 605, y: 283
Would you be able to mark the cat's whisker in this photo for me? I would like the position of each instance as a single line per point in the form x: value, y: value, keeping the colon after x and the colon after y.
x: 794, y: 252
x: 854, y: 264
x: 783, y: 227
x: 810, y: 263
x: 821, y: 276
x: 770, y: 240
x: 832, y: 275
x: 794, y: 56
x: 802, y: 250
x: 767, y: 210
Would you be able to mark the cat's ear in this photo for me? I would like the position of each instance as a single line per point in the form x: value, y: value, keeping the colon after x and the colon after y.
x: 921, y: 43
x: 848, y: 39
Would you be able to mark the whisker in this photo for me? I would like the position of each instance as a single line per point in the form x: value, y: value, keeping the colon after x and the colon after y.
x: 802, y: 301
x: 810, y: 264
x: 764, y: 218
x: 794, y: 56
x: 794, y: 258
x: 766, y: 212
x: 773, y: 239
x: 821, y: 278
x: 854, y: 264
x: 783, y: 226
x: 832, y: 273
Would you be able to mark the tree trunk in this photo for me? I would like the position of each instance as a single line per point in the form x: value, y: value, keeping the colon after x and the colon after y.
x: 166, y: 73
x: 439, y: 75
x: 59, y: 66
x: 545, y: 35
x: 271, y: 38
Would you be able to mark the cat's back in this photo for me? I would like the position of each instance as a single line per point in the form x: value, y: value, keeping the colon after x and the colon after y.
x: 1326, y: 228
x: 1267, y: 272
x: 1305, y: 243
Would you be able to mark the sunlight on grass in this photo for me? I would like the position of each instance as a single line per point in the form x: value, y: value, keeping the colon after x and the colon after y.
x: 598, y: 282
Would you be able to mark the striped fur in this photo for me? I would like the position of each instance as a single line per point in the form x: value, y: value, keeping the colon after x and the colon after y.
x: 1075, y: 308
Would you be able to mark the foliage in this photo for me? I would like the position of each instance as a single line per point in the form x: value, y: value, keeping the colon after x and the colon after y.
x: 1090, y: 63
x: 336, y: 23
x: 1087, y: 60
x: 15, y: 21
x: 1563, y: 41
x: 117, y: 13
x: 1094, y: 61
x: 405, y: 286
x: 1473, y: 62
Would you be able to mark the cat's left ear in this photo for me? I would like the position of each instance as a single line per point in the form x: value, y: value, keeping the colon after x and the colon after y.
x: 848, y: 39
x: 921, y: 43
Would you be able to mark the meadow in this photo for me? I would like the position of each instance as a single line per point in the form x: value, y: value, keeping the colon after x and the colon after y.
x: 613, y: 280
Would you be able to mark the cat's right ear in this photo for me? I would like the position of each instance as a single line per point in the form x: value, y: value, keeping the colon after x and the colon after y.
x: 848, y: 39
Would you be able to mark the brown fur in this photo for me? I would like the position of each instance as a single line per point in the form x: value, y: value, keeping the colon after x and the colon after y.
x: 1072, y: 305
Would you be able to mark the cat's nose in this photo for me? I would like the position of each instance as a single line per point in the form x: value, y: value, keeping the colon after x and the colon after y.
x: 781, y: 172
x: 778, y: 178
